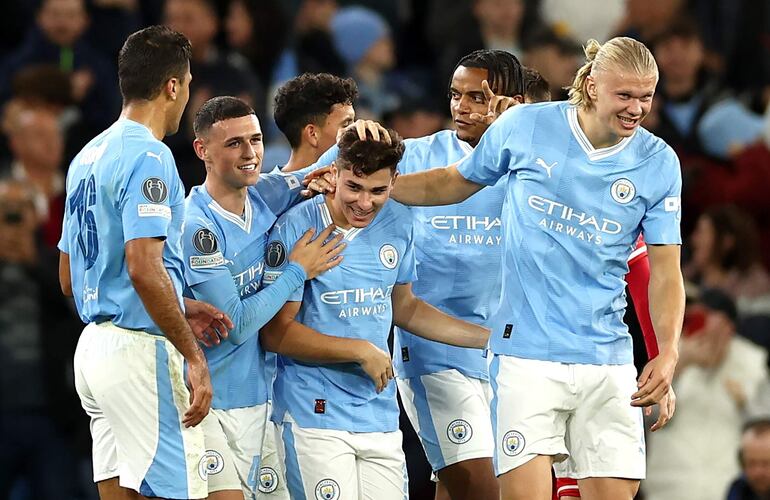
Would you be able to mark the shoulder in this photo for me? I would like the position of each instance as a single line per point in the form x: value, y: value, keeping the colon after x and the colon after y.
x: 300, y: 214
x: 650, y: 146
x: 396, y: 216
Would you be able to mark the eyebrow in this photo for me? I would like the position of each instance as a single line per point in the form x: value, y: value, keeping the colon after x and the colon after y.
x: 258, y: 135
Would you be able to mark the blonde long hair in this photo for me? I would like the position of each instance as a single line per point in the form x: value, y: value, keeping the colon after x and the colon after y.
x: 618, y: 53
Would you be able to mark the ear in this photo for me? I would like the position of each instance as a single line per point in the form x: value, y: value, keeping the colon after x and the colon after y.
x: 200, y: 149
x: 518, y: 98
x: 393, y: 179
x: 172, y: 88
x: 334, y: 170
x: 590, y: 86
x: 310, y: 133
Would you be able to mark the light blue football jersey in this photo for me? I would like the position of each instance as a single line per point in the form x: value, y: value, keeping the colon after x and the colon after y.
x: 352, y: 300
x: 123, y: 185
x: 221, y: 247
x: 458, y: 253
x: 572, y: 216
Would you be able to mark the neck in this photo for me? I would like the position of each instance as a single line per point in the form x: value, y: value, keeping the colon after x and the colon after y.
x: 148, y: 113
x: 368, y: 74
x: 337, y: 216
x: 301, y: 157
x: 41, y: 176
x: 595, y: 131
x: 231, y: 199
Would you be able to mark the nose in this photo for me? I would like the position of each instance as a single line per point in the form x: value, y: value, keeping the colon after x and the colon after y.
x: 364, y: 201
x: 247, y: 151
x: 462, y: 104
x: 635, y: 107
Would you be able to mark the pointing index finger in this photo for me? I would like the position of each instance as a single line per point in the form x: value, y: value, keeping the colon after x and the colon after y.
x: 487, y: 91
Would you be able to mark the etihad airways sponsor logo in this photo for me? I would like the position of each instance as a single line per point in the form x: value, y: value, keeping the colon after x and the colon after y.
x: 356, y: 295
x: 573, y: 222
x: 464, y: 222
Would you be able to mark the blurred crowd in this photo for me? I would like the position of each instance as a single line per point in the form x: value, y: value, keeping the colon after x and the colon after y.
x: 58, y: 88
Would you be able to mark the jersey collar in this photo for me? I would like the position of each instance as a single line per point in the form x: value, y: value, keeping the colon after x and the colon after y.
x: 593, y: 153
x: 467, y: 148
x: 326, y: 218
x: 242, y: 222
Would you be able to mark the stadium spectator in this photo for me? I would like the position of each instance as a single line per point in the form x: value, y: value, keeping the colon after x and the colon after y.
x: 216, y: 73
x: 578, y: 21
x: 57, y: 38
x: 40, y: 416
x: 644, y: 20
x: 37, y: 147
x: 555, y: 58
x: 754, y: 457
x: 363, y: 40
x: 726, y: 255
x: 719, y: 372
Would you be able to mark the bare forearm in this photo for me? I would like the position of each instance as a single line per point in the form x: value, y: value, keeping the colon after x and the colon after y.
x: 295, y: 340
x: 438, y: 186
x: 667, y: 300
x: 159, y: 297
x: 424, y: 320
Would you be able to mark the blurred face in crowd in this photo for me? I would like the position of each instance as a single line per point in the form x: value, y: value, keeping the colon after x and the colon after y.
x: 622, y: 99
x: 232, y: 150
x: 679, y: 58
x: 36, y: 140
x: 465, y: 97
x: 195, y: 19
x: 499, y: 16
x: 756, y: 460
x: 18, y: 222
x: 62, y: 21
x: 381, y: 55
x: 238, y: 24
x: 703, y: 242
x: 556, y: 66
x: 359, y: 199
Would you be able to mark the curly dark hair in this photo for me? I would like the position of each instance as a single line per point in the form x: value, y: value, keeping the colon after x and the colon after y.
x: 369, y: 156
x: 309, y: 98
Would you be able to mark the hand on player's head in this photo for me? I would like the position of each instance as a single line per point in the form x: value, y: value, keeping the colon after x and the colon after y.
x: 376, y: 131
x: 319, y: 181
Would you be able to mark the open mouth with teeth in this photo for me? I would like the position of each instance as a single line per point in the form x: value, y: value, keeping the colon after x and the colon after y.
x: 628, y: 122
x: 249, y: 167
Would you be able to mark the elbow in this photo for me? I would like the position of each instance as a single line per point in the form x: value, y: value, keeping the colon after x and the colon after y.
x: 269, y: 338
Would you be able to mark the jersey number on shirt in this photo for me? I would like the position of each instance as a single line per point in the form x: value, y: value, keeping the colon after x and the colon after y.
x: 81, y: 202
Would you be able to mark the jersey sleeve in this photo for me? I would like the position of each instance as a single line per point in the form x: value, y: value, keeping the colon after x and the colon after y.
x: 407, y: 269
x: 280, y: 190
x: 146, y: 196
x: 327, y: 158
x: 414, y: 157
x: 282, y: 239
x: 638, y: 279
x: 661, y: 222
x: 491, y: 158
x: 202, y: 250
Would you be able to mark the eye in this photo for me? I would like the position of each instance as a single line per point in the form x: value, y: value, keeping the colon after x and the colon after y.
x: 256, y: 140
x: 624, y: 96
x: 479, y: 99
x: 233, y: 144
x: 454, y: 95
x: 646, y: 98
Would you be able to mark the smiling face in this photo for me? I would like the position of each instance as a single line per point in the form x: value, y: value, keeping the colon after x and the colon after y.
x: 232, y: 150
x: 358, y: 199
x: 622, y: 99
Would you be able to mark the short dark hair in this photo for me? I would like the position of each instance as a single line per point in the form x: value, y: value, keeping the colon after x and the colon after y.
x: 683, y: 26
x: 369, y: 156
x: 217, y: 109
x: 536, y: 88
x: 148, y: 59
x: 309, y: 98
x: 504, y: 71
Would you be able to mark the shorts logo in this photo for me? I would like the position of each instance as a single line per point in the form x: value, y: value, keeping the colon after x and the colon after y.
x: 389, y: 256
x: 327, y: 489
x: 459, y: 431
x: 276, y: 254
x: 155, y: 190
x: 513, y: 443
x: 268, y: 480
x: 210, y: 463
x: 623, y: 191
x: 205, y: 241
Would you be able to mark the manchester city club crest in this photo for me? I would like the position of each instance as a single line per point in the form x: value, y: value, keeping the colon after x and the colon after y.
x: 459, y: 431
x: 155, y: 190
x: 268, y: 480
x: 327, y: 489
x: 623, y: 191
x: 513, y: 443
x: 389, y: 256
x: 210, y: 463
x: 205, y: 241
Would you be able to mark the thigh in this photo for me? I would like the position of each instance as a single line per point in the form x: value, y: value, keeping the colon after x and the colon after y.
x: 530, y: 405
x: 608, y: 488
x: 320, y: 463
x: 530, y: 481
x: 218, y: 465
x: 450, y: 413
x: 381, y: 466
x: 272, y: 477
x: 606, y: 433
x: 136, y: 381
x: 245, y: 432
